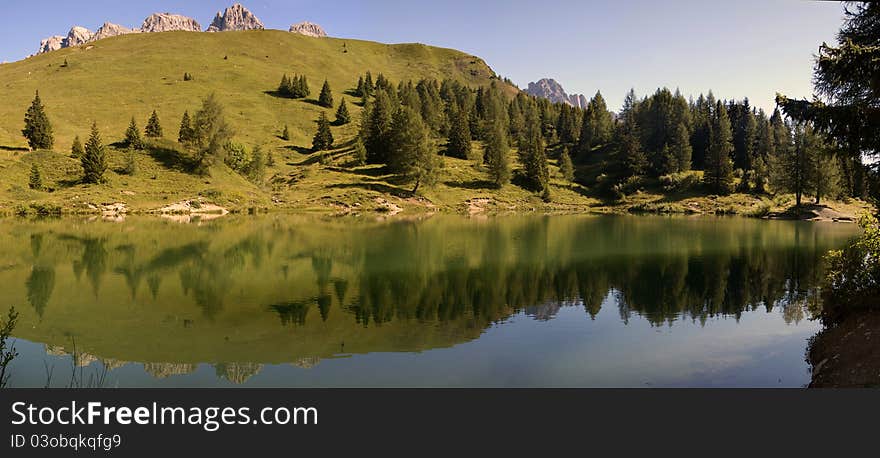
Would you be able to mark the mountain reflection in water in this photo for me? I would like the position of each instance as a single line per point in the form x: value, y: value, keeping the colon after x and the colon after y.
x: 241, y: 293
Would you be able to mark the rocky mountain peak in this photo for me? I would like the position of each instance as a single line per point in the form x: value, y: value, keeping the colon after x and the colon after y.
x: 52, y: 43
x: 236, y: 17
x: 77, y: 36
x: 166, y: 22
x: 551, y: 90
x: 110, y: 29
x: 309, y: 29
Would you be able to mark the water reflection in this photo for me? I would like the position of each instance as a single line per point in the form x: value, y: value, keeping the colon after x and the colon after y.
x: 240, y: 293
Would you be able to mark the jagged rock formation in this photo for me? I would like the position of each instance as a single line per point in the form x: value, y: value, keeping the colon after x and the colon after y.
x: 309, y: 29
x: 166, y: 22
x: 77, y: 36
x: 53, y: 43
x: 236, y: 17
x: 307, y: 362
x: 551, y: 90
x: 237, y: 373
x: 111, y: 30
x: 165, y: 370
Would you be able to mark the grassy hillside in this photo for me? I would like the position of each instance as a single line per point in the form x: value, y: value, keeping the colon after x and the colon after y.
x: 113, y: 79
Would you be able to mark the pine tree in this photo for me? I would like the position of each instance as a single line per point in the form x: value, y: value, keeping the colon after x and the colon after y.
x: 256, y: 169
x: 496, y: 152
x: 285, y: 134
x: 37, y: 128
x: 154, y: 128
x: 186, y: 134
x: 323, y: 139
x: 211, y: 133
x: 284, y: 87
x: 597, y: 123
x: 719, y: 166
x: 94, y: 160
x: 628, y: 153
x: 360, y: 91
x: 360, y: 151
x: 459, y: 140
x: 680, y: 151
x: 369, y: 87
x: 342, y: 115
x: 531, y: 152
x: 76, y: 150
x: 565, y: 166
x: 302, y: 87
x: 133, y: 136
x: 377, y: 129
x: 35, y: 180
x: 412, y: 155
x: 325, y: 99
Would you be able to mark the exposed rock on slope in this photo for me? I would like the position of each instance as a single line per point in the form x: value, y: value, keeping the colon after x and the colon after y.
x: 51, y: 44
x: 236, y: 17
x: 77, y: 36
x: 309, y: 29
x: 111, y: 30
x: 166, y: 22
x: 551, y: 90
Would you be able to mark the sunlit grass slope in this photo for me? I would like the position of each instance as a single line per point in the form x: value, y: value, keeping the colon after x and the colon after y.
x: 113, y: 79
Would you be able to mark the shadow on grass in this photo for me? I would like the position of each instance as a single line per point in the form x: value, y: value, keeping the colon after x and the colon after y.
x: 374, y: 172
x: 315, y: 103
x: 14, y: 148
x: 378, y: 187
x: 171, y: 158
x: 473, y: 184
x: 70, y: 182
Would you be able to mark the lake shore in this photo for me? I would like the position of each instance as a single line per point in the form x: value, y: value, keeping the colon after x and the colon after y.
x: 401, y: 205
x: 847, y: 356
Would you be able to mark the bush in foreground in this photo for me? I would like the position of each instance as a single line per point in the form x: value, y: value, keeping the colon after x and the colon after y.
x: 853, y: 281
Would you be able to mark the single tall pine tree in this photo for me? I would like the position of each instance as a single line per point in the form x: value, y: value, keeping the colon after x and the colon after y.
x: 37, y: 128
x: 496, y: 152
x: 76, y: 150
x: 459, y: 141
x: 323, y: 139
x: 412, y: 155
x: 133, y: 136
x: 35, y: 180
x: 325, y: 99
x: 565, y: 166
x: 360, y: 91
x: 532, y: 154
x: 719, y: 166
x: 185, y: 135
x: 94, y: 160
x: 154, y: 128
x: 342, y: 115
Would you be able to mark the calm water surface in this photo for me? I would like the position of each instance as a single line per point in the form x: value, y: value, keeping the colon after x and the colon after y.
x: 575, y: 301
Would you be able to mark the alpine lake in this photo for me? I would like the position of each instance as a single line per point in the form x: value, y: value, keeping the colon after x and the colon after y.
x: 446, y: 301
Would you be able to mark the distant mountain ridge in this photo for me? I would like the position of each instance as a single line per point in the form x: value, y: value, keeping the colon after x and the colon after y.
x: 551, y: 90
x: 236, y: 17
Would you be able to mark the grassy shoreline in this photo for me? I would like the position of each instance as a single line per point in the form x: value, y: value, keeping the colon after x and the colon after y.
x: 303, y: 182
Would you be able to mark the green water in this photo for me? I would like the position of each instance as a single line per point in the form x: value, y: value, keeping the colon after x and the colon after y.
x: 446, y: 301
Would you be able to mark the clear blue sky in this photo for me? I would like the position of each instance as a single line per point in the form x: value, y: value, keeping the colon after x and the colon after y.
x: 749, y: 48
